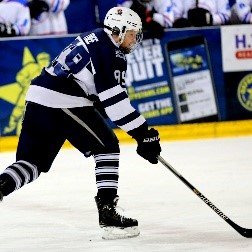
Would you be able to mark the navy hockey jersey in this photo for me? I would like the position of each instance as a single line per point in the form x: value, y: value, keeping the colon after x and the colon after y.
x: 91, y: 66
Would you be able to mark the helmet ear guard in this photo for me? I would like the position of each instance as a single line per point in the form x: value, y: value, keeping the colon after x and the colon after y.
x: 115, y: 31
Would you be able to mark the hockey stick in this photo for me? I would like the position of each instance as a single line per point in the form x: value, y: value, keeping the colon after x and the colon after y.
x: 243, y: 231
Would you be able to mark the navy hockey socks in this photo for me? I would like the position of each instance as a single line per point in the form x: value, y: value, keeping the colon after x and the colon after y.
x: 107, y: 175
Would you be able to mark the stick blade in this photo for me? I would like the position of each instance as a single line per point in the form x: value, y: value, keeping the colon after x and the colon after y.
x: 246, y: 232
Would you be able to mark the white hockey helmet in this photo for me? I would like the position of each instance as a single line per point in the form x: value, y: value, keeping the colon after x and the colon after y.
x: 119, y: 20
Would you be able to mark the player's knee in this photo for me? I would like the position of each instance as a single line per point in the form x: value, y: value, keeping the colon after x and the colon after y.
x: 114, y: 148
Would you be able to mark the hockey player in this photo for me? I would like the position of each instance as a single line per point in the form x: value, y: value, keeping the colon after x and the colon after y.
x: 61, y: 104
x: 15, y: 18
x: 156, y: 15
x: 201, y: 12
x: 242, y: 12
x: 48, y: 17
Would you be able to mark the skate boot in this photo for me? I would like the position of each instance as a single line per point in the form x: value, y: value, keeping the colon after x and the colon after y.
x: 113, y: 224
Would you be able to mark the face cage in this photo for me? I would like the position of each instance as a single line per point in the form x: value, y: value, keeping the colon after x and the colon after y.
x: 139, y: 38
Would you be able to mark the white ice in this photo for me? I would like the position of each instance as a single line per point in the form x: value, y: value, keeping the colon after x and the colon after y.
x: 57, y: 212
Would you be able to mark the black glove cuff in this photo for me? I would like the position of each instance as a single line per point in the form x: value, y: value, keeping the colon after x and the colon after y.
x: 139, y: 132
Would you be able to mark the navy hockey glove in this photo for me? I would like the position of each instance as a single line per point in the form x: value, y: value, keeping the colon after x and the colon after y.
x: 148, y: 145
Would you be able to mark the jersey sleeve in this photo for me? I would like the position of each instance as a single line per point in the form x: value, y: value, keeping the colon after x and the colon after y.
x: 109, y: 81
x: 118, y: 108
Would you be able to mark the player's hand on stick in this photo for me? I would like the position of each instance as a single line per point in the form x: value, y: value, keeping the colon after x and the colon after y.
x: 149, y: 145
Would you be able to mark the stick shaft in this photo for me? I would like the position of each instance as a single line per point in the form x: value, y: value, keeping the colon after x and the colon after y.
x: 243, y: 231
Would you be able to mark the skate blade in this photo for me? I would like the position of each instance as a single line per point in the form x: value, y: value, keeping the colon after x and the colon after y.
x: 113, y: 233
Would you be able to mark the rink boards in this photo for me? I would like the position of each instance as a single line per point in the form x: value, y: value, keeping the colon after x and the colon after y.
x: 170, y: 132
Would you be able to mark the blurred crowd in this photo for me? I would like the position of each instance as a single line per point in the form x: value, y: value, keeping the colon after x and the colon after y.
x: 49, y: 17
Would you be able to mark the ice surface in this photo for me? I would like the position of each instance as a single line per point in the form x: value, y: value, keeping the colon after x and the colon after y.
x: 57, y: 212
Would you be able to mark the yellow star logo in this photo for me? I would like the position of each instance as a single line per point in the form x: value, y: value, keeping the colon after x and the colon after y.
x: 9, y: 92
x: 15, y: 92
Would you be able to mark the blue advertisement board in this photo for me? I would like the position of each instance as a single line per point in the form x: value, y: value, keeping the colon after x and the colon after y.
x: 21, y: 61
x: 212, y: 37
x: 191, y: 74
x: 148, y: 79
x: 147, y: 83
x: 237, y: 67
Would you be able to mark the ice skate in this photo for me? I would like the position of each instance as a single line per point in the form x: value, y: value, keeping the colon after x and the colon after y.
x: 113, y: 224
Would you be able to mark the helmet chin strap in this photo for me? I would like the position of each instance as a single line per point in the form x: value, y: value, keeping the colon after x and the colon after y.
x: 121, y: 38
x: 125, y: 50
x: 111, y: 34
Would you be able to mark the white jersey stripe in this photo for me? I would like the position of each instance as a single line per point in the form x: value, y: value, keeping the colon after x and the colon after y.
x: 133, y: 124
x: 107, y: 94
x: 125, y: 108
x: 53, y: 99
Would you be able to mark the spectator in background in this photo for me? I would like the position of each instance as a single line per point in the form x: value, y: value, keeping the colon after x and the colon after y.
x: 201, y: 12
x: 102, y: 8
x: 232, y: 2
x: 180, y: 9
x: 156, y: 15
x: 241, y: 12
x: 15, y: 18
x: 48, y: 17
x: 93, y: 10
